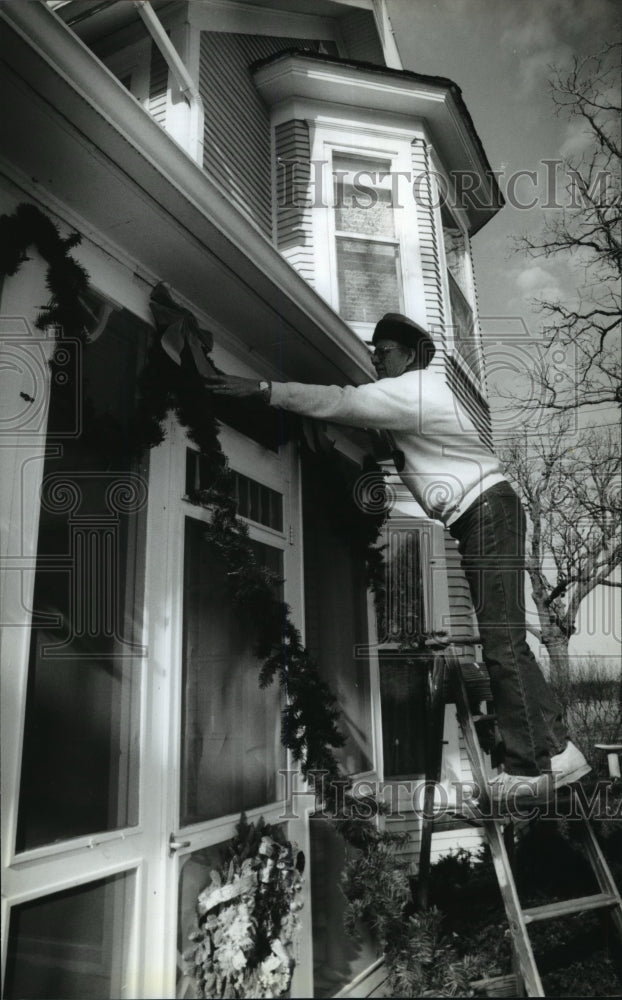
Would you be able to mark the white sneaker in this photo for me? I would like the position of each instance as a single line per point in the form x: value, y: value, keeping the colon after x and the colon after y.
x: 568, y: 766
x: 513, y: 791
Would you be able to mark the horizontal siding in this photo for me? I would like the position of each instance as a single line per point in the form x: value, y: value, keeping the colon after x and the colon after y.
x: 475, y: 405
x: 428, y: 239
x: 443, y: 841
x: 158, y: 85
x: 294, y: 223
x: 237, y: 144
x: 430, y: 255
x: 359, y: 33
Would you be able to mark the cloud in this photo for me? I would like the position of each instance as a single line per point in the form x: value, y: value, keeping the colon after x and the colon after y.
x: 546, y: 35
x: 578, y: 138
x: 538, y: 282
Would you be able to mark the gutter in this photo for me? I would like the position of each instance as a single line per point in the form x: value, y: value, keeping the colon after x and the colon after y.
x: 189, y: 90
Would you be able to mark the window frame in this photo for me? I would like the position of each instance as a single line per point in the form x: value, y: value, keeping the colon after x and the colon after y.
x: 343, y: 234
x: 270, y: 469
x: 373, y: 142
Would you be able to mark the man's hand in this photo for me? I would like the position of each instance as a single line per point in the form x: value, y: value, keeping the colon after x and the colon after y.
x: 232, y: 385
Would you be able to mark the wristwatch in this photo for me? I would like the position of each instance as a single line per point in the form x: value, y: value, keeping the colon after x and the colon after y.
x: 265, y: 388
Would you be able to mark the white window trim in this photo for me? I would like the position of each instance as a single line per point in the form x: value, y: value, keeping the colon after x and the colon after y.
x: 363, y: 140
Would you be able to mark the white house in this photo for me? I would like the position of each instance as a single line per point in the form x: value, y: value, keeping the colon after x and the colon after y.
x: 214, y: 145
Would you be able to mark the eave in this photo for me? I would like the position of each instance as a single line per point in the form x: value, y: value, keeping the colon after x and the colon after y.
x: 321, y: 79
x: 72, y: 127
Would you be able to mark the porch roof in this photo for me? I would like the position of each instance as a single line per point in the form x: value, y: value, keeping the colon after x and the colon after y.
x: 76, y: 132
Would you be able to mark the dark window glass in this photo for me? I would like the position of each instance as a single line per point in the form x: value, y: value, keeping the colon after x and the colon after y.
x: 71, y: 944
x: 336, y: 615
x: 370, y: 281
x: 80, y: 767
x: 337, y: 957
x: 231, y: 746
x: 255, y: 501
x: 403, y: 701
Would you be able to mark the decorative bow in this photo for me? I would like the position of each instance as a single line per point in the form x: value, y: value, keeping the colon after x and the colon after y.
x: 178, y: 328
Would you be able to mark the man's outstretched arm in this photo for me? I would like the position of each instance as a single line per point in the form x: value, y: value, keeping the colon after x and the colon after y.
x: 384, y: 405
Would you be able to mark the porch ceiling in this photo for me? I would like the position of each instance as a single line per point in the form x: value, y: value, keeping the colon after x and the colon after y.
x: 74, y: 130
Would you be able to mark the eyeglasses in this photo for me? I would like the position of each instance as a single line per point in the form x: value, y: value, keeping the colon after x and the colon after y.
x: 381, y: 352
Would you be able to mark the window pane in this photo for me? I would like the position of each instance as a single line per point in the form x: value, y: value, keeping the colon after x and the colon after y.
x: 72, y: 944
x: 337, y: 957
x: 336, y: 621
x: 231, y: 733
x: 463, y: 327
x: 366, y: 209
x: 403, y: 700
x: 370, y: 281
x: 255, y: 501
x: 456, y: 250
x: 79, y: 769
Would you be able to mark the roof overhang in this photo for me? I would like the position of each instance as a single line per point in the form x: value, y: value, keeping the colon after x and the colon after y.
x: 82, y: 139
x: 320, y: 79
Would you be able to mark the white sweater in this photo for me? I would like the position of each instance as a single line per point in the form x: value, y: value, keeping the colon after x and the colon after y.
x: 446, y: 466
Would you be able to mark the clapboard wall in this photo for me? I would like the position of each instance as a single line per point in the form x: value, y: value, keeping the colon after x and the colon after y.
x: 294, y: 226
x: 237, y: 142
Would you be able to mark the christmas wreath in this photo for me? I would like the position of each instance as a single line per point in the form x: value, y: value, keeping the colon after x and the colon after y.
x: 247, y: 917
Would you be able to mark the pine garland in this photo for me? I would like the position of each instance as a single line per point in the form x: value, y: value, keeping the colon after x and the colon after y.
x: 66, y: 279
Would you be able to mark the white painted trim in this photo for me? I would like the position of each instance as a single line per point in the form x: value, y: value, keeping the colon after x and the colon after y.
x: 238, y: 17
x: 327, y: 140
x: 361, y: 4
x: 370, y: 977
x: 386, y: 34
x: 361, y: 121
x: 299, y: 833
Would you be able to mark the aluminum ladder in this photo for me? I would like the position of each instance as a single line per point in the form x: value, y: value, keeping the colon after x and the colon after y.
x: 445, y: 677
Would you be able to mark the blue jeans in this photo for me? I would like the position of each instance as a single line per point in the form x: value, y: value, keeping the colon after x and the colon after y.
x: 491, y: 536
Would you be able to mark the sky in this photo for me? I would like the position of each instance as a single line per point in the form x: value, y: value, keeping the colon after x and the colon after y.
x: 501, y: 54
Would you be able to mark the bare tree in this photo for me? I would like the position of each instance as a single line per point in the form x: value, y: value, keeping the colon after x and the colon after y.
x: 586, y: 233
x: 572, y: 494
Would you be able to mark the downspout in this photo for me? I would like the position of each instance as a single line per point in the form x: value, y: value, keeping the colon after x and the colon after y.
x: 189, y: 90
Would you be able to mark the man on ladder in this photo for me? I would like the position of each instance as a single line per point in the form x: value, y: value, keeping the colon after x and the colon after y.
x: 458, y: 480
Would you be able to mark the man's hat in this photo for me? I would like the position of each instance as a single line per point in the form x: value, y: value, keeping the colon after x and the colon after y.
x: 394, y: 326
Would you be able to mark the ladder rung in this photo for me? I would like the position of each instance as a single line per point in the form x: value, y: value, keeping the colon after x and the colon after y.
x: 485, y: 717
x: 568, y: 906
x: 496, y: 986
